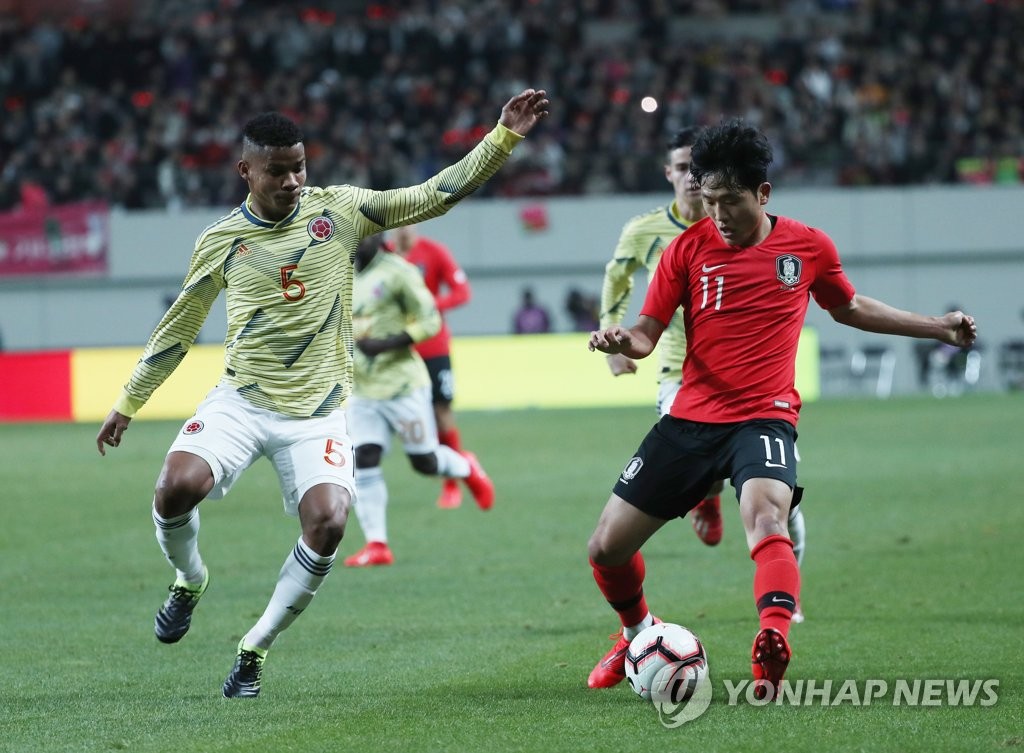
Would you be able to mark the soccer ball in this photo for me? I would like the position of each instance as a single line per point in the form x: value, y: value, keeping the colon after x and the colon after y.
x: 666, y: 663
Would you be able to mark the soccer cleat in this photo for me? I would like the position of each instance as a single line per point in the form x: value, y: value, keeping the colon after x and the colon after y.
x: 611, y: 670
x: 175, y: 616
x: 451, y: 495
x: 374, y: 553
x: 707, y: 520
x: 479, y: 483
x: 244, y: 680
x: 769, y: 659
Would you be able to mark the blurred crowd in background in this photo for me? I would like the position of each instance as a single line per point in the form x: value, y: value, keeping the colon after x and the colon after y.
x: 142, y: 105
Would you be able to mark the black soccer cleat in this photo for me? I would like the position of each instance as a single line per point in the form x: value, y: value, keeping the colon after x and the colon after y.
x: 244, y: 680
x: 175, y: 616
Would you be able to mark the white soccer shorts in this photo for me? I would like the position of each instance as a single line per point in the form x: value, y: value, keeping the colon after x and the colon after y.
x: 411, y: 417
x: 230, y: 433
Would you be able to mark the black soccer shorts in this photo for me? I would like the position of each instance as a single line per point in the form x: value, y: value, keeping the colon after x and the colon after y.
x: 442, y: 382
x: 679, y: 460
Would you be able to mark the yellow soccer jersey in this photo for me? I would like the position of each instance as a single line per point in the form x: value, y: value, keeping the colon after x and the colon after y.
x: 390, y: 297
x: 641, y: 243
x: 288, y: 287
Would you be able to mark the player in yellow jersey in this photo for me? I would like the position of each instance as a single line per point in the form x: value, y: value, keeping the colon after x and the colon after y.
x: 284, y: 260
x: 392, y: 309
x: 640, y: 246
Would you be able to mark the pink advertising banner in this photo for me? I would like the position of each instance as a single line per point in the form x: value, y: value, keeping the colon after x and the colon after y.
x: 67, y: 239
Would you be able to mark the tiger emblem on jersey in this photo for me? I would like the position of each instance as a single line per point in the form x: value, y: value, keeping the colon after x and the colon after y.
x: 787, y: 269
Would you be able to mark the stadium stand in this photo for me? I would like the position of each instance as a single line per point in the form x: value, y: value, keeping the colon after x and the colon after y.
x: 142, y: 105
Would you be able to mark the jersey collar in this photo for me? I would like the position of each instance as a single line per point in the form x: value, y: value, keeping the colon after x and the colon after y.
x: 672, y: 212
x: 251, y: 216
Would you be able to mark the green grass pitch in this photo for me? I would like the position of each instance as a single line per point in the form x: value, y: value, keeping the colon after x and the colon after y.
x: 481, y: 636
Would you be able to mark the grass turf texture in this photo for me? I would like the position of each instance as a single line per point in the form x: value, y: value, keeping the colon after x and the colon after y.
x: 481, y: 636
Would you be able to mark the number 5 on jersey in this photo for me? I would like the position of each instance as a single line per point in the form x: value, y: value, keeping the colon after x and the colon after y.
x: 293, y: 289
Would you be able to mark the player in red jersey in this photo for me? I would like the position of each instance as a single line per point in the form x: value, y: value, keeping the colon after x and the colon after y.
x: 744, y: 279
x: 450, y: 288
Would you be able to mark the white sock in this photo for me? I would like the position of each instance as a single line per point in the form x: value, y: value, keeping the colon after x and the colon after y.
x: 372, y: 503
x: 179, y: 540
x: 300, y: 577
x: 450, y: 463
x: 797, y: 533
x: 629, y: 633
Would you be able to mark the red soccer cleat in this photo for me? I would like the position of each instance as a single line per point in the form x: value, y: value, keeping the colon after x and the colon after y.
x: 707, y: 520
x: 374, y: 553
x: 611, y: 670
x: 769, y: 659
x: 479, y: 483
x: 451, y: 495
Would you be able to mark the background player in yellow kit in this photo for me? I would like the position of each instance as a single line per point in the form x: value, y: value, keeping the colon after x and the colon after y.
x: 392, y: 310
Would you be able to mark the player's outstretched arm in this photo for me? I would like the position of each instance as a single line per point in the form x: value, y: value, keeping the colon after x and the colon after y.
x: 110, y: 433
x: 521, y: 113
x: 637, y: 341
x: 870, y: 315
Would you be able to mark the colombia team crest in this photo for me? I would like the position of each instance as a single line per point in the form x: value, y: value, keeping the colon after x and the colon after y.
x: 320, y: 228
x: 192, y: 427
x: 787, y: 269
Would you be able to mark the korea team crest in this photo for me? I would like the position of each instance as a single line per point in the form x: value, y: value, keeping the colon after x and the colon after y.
x: 320, y: 228
x: 632, y: 468
x: 788, y: 268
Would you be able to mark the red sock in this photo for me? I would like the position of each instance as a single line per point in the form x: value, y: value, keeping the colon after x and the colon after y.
x: 451, y: 438
x: 776, y: 582
x: 623, y: 587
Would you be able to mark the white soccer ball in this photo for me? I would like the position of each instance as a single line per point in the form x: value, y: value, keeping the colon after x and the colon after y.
x: 666, y: 663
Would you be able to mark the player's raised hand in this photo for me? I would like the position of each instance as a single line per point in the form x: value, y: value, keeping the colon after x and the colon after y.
x: 961, y: 329
x: 521, y: 113
x: 110, y: 433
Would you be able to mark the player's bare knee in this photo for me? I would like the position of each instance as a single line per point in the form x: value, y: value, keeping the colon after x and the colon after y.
x: 602, y: 550
x: 180, y: 487
x: 323, y: 519
x: 425, y: 464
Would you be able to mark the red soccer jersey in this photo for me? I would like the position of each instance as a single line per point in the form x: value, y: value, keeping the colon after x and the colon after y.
x: 439, y: 270
x: 743, y: 310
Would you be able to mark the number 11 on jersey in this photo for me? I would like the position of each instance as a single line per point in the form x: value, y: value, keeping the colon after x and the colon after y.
x: 719, y: 287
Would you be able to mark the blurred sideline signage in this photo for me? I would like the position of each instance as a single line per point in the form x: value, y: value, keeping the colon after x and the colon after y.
x: 65, y: 239
x: 508, y: 372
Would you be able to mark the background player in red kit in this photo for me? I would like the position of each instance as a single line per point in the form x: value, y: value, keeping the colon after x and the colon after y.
x: 450, y: 288
x: 744, y: 279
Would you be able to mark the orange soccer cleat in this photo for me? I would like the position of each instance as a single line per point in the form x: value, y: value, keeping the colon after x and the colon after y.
x: 707, y: 520
x: 769, y: 659
x: 374, y: 553
x: 451, y: 495
x: 479, y: 483
x: 611, y: 670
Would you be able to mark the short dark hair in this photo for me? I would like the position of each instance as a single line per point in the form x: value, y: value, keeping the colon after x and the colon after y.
x: 684, y: 137
x: 735, y: 154
x: 272, y: 129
